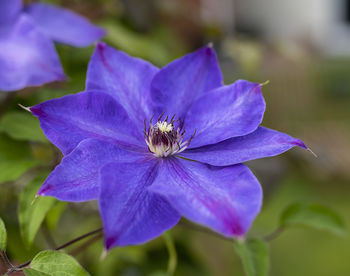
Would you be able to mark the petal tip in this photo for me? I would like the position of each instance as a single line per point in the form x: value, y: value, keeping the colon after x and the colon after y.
x: 37, y: 111
x: 236, y: 230
x: 256, y: 87
x: 314, y: 154
x: 34, y: 199
x: 25, y: 108
x: 300, y: 143
x: 61, y: 77
x: 110, y: 242
x: 103, y: 254
x: 99, y: 33
x: 265, y: 83
x: 240, y: 238
x: 43, y: 190
x: 249, y: 86
x: 209, y: 50
x: 101, y: 45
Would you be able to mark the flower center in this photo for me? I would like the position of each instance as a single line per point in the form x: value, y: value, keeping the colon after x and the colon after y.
x: 165, y: 138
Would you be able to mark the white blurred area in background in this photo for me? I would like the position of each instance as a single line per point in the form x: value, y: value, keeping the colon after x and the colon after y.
x: 324, y: 24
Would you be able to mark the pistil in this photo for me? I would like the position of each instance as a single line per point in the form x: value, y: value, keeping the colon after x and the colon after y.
x: 165, y: 138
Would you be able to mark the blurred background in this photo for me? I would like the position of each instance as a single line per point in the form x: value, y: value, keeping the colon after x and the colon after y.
x: 301, y: 47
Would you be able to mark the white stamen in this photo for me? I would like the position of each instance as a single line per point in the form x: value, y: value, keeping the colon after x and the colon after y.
x: 164, y: 126
x: 163, y: 140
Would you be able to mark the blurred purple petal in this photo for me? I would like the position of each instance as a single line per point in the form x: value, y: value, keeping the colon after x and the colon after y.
x: 228, y: 111
x: 263, y: 142
x: 76, y: 178
x: 9, y: 11
x: 124, y: 77
x: 73, y: 118
x: 130, y: 213
x: 179, y: 83
x: 27, y: 58
x: 225, y: 199
x: 63, y: 25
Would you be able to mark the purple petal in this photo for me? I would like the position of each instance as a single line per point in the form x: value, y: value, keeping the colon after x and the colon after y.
x: 63, y: 25
x: 9, y: 10
x: 126, y: 78
x: 225, y: 199
x: 73, y: 118
x: 263, y: 142
x: 130, y: 213
x: 179, y: 83
x: 27, y: 58
x: 76, y: 178
x: 228, y: 111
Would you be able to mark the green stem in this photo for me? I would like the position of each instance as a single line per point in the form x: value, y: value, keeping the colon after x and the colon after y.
x: 172, y: 263
x: 275, y: 234
x: 6, y: 259
x: 203, y: 230
x: 86, y: 244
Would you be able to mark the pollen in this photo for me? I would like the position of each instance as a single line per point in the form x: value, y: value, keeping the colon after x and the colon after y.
x: 166, y: 138
x: 165, y: 126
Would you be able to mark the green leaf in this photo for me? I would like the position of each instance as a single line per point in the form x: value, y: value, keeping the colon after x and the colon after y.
x: 312, y: 215
x: 3, y: 236
x: 33, y: 272
x: 32, y: 211
x: 254, y: 256
x: 22, y: 126
x: 15, y: 158
x: 56, y: 263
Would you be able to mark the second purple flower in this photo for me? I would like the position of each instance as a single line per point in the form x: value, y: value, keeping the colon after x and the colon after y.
x: 27, y: 53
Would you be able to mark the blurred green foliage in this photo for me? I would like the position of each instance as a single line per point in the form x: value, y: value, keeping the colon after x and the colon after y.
x: 22, y: 126
x: 15, y: 158
x: 32, y: 210
x: 312, y: 215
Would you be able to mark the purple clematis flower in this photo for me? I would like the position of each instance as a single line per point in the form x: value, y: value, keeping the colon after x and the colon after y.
x: 27, y: 53
x: 153, y: 145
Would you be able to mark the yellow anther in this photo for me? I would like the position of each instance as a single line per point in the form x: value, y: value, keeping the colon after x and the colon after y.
x: 164, y: 126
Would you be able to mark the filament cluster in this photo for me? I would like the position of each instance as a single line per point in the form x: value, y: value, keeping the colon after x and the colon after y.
x: 166, y: 137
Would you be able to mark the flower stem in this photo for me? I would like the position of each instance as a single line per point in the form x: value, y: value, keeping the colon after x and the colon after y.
x: 86, y: 244
x: 6, y: 259
x: 19, y: 267
x: 79, y: 238
x: 203, y: 230
x: 274, y: 234
x: 172, y: 263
